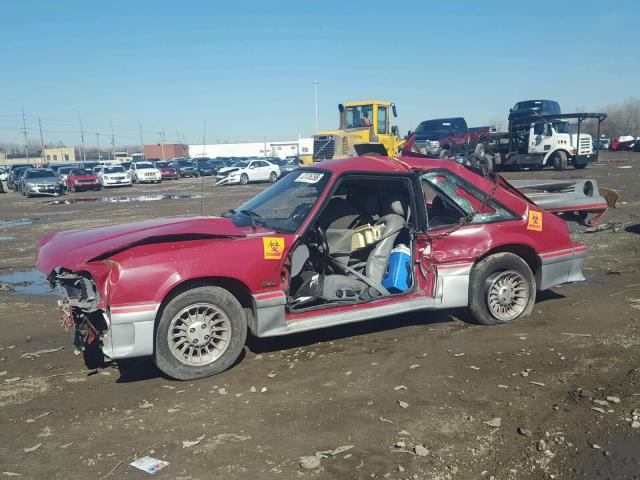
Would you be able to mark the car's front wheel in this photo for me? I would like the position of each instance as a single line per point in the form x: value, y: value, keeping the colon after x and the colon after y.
x: 273, y: 177
x: 201, y: 332
x: 502, y: 288
x: 244, y: 179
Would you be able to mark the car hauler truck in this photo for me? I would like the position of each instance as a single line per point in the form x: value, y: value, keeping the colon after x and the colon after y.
x: 365, y: 129
x: 539, y: 140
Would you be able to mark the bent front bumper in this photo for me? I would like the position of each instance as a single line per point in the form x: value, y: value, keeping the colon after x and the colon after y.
x: 561, y: 266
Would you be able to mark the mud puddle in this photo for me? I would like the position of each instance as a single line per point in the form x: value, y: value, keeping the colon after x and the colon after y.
x: 125, y: 199
x: 26, y: 282
x: 20, y: 222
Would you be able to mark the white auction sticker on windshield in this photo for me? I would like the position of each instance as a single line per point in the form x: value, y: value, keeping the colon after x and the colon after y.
x: 309, y: 177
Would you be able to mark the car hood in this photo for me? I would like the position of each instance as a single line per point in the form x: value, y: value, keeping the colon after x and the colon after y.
x: 73, y: 248
x: 229, y: 170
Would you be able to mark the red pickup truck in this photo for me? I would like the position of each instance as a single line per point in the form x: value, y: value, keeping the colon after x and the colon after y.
x: 445, y: 137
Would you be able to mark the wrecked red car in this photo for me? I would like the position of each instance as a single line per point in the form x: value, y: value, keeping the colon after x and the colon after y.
x: 337, y: 242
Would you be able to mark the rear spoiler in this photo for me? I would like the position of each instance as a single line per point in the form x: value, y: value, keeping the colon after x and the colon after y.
x: 573, y: 199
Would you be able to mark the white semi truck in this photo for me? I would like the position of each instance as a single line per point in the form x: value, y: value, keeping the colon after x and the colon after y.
x: 540, y: 140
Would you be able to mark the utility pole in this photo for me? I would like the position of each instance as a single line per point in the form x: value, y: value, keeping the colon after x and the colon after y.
x: 141, y: 141
x: 162, y: 142
x: 113, y: 144
x: 24, y: 129
x: 41, y: 139
x: 84, y: 153
x: 98, y: 140
x: 315, y: 89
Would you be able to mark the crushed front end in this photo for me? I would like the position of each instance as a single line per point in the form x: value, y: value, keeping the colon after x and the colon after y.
x: 80, y: 307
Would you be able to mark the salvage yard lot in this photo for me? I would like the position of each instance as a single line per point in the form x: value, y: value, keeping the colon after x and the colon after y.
x: 383, y: 387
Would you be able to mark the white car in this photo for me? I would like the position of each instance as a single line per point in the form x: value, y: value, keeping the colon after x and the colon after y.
x: 248, y: 171
x: 143, y: 172
x: 113, y: 176
x: 3, y: 174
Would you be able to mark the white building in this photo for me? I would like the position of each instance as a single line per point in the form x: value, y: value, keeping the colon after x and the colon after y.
x: 302, y: 146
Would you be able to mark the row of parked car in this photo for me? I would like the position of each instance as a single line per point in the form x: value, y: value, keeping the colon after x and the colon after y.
x: 616, y: 144
x: 55, y: 180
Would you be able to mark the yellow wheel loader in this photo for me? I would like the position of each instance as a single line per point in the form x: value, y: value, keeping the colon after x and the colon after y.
x: 365, y: 129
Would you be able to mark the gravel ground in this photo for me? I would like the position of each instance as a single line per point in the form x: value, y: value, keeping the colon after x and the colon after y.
x: 416, y: 396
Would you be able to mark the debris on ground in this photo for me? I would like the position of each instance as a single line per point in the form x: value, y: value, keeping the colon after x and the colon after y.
x: 525, y: 432
x: 421, y: 450
x: 403, y: 404
x: 494, y: 422
x: 149, y: 464
x: 191, y: 443
x: 37, y: 354
x: 312, y: 462
x: 32, y: 449
x: 31, y: 420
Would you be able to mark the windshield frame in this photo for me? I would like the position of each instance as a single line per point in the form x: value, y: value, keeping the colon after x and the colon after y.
x: 241, y: 219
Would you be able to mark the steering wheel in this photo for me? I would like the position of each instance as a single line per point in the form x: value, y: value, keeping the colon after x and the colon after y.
x: 321, y: 238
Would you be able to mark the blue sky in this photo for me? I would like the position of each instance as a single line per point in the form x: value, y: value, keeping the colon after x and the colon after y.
x: 247, y: 67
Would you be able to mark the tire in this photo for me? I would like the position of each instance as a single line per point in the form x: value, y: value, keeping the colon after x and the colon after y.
x: 492, y: 278
x: 98, y: 188
x: 273, y: 177
x: 579, y: 166
x: 559, y: 161
x: 226, y: 313
x: 27, y: 194
x: 244, y: 179
x: 445, y: 154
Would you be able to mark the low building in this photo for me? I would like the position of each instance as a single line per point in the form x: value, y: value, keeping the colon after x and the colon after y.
x: 166, y: 151
x: 282, y: 149
x: 60, y: 155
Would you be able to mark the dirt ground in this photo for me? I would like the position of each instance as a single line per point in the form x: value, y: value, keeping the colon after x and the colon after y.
x: 291, y: 397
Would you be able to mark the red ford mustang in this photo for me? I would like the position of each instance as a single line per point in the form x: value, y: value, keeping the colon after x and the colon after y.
x: 338, y: 242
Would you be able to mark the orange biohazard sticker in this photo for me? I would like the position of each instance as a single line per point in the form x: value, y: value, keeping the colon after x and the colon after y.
x: 535, y: 221
x: 273, y: 247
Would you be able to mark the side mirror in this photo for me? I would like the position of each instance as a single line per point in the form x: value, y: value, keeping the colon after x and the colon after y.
x: 394, y: 110
x: 340, y: 108
x: 394, y: 130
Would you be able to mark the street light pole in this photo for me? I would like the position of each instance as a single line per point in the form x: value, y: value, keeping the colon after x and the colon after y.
x: 315, y: 90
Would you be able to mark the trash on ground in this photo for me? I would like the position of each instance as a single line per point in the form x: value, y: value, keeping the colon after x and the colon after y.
x: 494, y: 422
x: 32, y: 449
x: 40, y: 352
x: 191, y: 443
x: 149, y: 464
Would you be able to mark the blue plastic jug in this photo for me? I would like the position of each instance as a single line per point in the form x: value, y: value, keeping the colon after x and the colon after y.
x: 397, y: 277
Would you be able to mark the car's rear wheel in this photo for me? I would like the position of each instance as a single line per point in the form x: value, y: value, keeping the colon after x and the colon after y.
x: 201, y: 332
x: 244, y: 179
x: 502, y: 288
x: 273, y: 177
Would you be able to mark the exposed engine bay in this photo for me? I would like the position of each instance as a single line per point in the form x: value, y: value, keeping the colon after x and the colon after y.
x: 358, y: 248
x: 79, y: 306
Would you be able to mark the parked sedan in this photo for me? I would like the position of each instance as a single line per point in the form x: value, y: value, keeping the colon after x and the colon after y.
x: 114, y: 176
x: 144, y: 172
x: 167, y: 171
x: 290, y: 165
x: 206, y: 168
x: 40, y: 181
x: 79, y: 179
x: 14, y: 173
x: 248, y: 171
